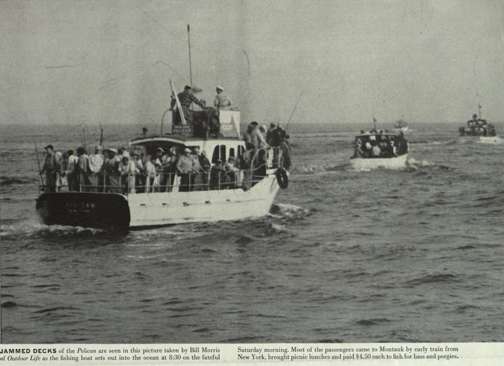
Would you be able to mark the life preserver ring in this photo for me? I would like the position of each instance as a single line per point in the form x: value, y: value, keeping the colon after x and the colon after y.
x: 282, y: 178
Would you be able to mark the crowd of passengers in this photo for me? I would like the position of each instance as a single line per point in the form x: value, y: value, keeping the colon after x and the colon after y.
x: 122, y: 171
x: 378, y: 144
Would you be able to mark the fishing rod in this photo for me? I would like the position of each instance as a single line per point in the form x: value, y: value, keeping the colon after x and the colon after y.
x: 288, y: 122
x: 38, y: 162
x: 189, y: 43
x: 101, y: 135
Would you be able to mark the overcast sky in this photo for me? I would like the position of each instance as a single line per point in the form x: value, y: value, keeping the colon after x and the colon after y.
x: 111, y: 61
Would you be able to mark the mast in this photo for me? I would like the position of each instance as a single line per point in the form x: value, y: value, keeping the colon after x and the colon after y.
x: 189, y: 43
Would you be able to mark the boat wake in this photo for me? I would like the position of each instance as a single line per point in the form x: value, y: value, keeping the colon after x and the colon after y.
x: 286, y: 211
x: 31, y: 229
x: 491, y: 140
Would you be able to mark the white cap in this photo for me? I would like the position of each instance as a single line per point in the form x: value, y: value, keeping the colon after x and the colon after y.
x: 219, y: 88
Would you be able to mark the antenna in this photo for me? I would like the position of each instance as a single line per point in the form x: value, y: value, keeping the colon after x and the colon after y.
x: 189, y: 43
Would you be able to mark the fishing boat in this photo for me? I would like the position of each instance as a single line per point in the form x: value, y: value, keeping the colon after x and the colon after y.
x: 380, y: 149
x: 478, y: 127
x: 401, y: 125
x: 173, y: 198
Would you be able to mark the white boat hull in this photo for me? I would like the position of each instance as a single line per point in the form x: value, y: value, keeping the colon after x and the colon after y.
x: 399, y: 162
x: 155, y: 209
x: 491, y: 140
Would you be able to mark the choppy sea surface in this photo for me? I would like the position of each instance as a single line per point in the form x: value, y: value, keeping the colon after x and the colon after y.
x: 344, y: 256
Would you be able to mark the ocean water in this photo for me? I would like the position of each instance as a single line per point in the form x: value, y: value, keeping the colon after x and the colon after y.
x: 344, y: 256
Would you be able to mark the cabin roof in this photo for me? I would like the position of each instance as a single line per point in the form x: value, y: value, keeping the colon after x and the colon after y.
x: 180, y: 139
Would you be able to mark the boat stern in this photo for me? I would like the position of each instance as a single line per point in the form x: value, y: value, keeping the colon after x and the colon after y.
x: 95, y: 210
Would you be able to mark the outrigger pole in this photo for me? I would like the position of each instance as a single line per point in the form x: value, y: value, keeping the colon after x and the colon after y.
x: 189, y: 43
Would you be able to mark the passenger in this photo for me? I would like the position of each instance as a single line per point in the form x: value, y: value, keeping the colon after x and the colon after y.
x: 58, y: 156
x: 186, y: 170
x: 152, y: 171
x: 269, y: 134
x: 111, y: 169
x: 251, y: 142
x: 140, y: 172
x: 218, y: 176
x: 245, y: 164
x: 128, y: 171
x: 82, y: 170
x: 96, y: 162
x: 70, y: 171
x: 186, y: 98
x: 50, y: 168
x: 201, y: 181
x: 64, y: 168
x: 261, y: 142
x: 221, y: 101
x: 195, y: 177
x: 232, y: 172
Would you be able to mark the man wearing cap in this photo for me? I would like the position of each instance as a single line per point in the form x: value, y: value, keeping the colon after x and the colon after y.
x: 221, y: 101
x: 186, y: 170
x: 51, y: 168
x: 186, y: 98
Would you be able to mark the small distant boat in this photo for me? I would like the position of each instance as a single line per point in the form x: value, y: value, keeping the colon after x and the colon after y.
x: 401, y: 125
x: 478, y: 127
x: 380, y: 149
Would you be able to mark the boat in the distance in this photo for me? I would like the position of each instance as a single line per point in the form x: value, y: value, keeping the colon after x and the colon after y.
x: 246, y: 190
x: 478, y: 127
x: 401, y: 125
x: 379, y: 149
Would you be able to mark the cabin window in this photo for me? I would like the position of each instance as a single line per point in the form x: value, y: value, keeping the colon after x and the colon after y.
x: 219, y: 153
x: 232, y: 152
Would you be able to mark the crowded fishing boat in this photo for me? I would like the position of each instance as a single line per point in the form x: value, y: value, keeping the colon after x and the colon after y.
x: 379, y: 149
x: 478, y: 127
x: 204, y: 170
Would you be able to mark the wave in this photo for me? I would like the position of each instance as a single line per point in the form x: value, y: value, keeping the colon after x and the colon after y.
x: 6, y: 181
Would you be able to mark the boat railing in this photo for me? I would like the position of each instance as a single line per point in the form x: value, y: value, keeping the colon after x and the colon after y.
x: 135, y: 183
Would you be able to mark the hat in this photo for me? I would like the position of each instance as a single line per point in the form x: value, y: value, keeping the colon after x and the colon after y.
x: 134, y: 153
x: 254, y: 123
x: 187, y: 150
x: 219, y: 88
x: 218, y: 161
x: 49, y: 147
x: 113, y: 150
x: 272, y: 125
x: 187, y: 87
x: 195, y: 89
x: 126, y: 154
x: 160, y: 149
x: 262, y: 128
x: 173, y: 150
x: 231, y: 158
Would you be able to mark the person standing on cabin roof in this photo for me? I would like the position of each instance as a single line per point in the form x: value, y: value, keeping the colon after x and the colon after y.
x: 186, y: 98
x: 51, y: 169
x: 221, y: 100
